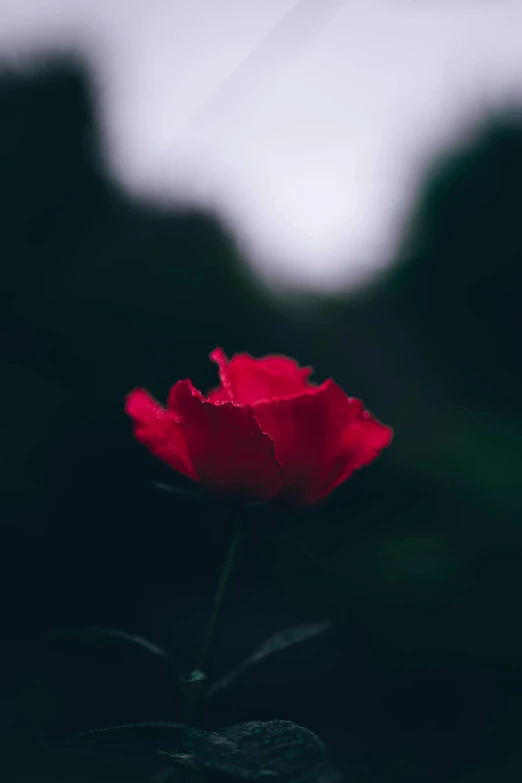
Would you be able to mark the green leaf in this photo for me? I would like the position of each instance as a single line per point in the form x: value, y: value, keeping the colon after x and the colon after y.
x: 192, y: 684
x: 183, y: 759
x: 192, y: 677
x: 256, y: 751
x: 194, y: 494
x: 106, y: 636
x: 280, y: 641
x: 153, y: 724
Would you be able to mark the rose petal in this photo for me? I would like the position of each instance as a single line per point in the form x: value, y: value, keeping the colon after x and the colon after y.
x: 225, y: 391
x: 321, y: 437
x: 247, y: 380
x: 219, y: 394
x: 227, y: 448
x: 361, y: 442
x: 159, y: 430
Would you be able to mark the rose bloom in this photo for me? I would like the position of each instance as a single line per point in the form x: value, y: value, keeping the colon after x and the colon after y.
x: 265, y: 433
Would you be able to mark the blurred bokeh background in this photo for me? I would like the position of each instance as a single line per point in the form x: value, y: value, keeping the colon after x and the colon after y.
x: 119, y: 270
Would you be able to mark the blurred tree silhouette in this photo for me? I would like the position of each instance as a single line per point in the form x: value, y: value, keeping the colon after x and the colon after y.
x: 418, y: 556
x: 467, y: 254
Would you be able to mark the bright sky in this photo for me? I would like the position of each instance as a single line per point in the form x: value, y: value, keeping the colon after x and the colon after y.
x: 305, y: 125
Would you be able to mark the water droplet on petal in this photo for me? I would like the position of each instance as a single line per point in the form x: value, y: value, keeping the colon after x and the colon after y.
x: 177, y: 420
x: 350, y: 399
x: 366, y: 415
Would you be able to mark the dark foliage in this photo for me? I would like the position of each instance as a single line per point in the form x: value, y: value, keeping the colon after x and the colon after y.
x: 417, y: 560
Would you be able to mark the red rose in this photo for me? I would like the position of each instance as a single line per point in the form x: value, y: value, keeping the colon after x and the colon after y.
x: 265, y: 433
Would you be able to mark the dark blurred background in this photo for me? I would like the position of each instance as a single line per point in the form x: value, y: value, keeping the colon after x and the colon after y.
x: 417, y: 559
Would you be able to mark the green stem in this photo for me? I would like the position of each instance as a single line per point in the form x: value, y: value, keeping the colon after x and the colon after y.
x: 220, y: 592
